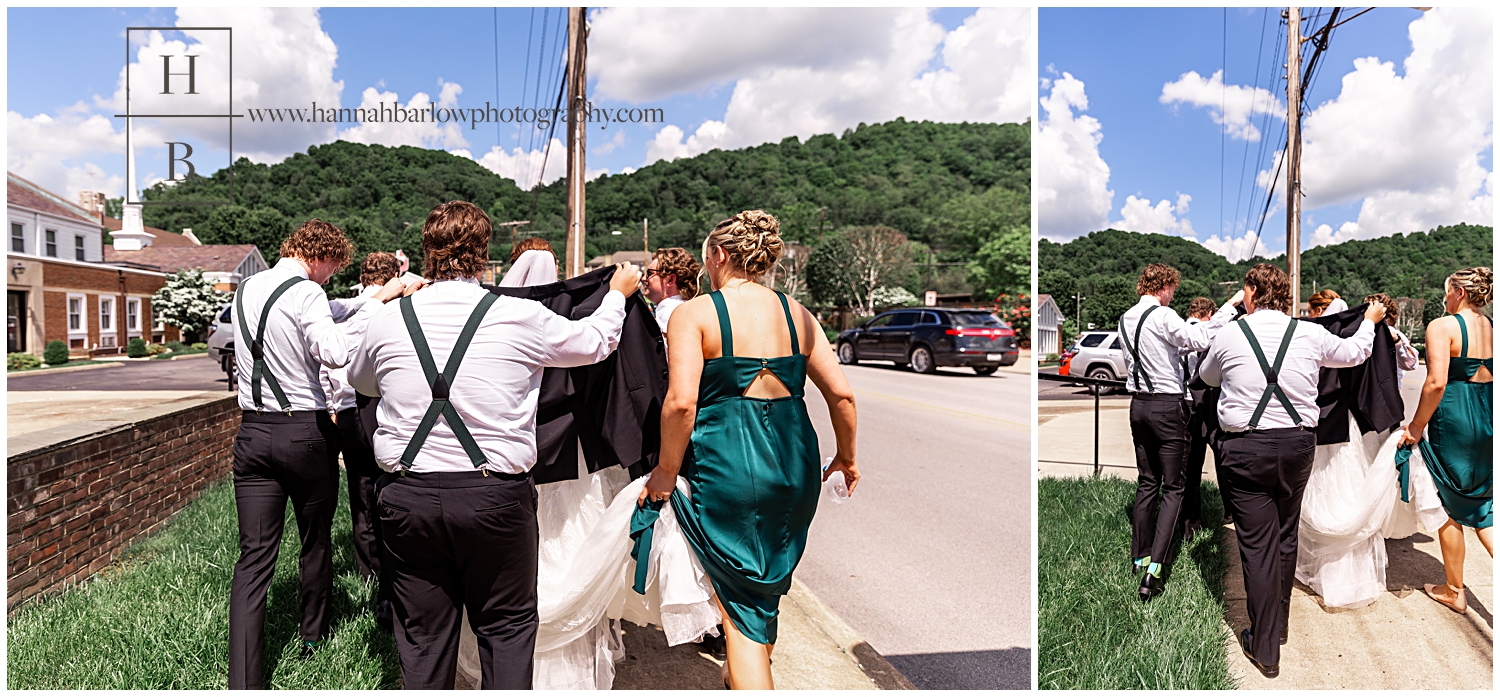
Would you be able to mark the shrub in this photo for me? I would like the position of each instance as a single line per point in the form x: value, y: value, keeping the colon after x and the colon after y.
x: 21, y: 361
x: 156, y: 349
x: 200, y: 346
x: 56, y: 353
x: 136, y: 348
x: 176, y: 346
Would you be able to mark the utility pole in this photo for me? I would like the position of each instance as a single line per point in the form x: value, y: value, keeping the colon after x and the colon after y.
x: 1078, y: 303
x: 822, y: 213
x: 577, y: 132
x: 514, y: 224
x: 1294, y: 152
x: 646, y: 238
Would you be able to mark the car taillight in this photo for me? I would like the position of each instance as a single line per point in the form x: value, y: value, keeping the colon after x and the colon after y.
x: 987, y: 332
x: 211, y: 331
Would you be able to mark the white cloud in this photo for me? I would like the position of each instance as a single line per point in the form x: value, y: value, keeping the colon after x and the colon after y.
x: 62, y: 153
x: 425, y: 133
x: 803, y: 72
x: 1325, y: 234
x: 1072, y: 180
x: 1167, y: 218
x: 1237, y: 248
x: 522, y: 166
x: 1410, y: 145
x: 610, y: 145
x: 1232, y: 106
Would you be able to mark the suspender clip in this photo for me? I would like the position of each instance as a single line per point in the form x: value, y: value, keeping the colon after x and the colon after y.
x: 485, y: 471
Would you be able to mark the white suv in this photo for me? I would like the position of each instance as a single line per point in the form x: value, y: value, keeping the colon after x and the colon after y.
x: 221, y: 341
x: 1098, y: 355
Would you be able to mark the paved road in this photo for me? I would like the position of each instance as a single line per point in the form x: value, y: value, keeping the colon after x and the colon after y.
x: 1049, y: 391
x: 931, y: 560
x: 186, y: 374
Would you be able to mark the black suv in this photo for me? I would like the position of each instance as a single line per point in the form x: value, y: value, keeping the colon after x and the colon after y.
x: 928, y: 337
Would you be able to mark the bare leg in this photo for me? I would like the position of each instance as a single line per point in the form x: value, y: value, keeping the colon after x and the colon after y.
x: 1451, y: 539
x: 1484, y: 539
x: 749, y: 664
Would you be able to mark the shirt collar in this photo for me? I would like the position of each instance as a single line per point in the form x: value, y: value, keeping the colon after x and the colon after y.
x: 1259, y: 310
x: 470, y: 281
x: 290, y: 265
x: 1150, y: 300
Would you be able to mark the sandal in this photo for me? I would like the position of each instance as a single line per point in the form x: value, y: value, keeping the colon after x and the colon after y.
x: 1460, y: 604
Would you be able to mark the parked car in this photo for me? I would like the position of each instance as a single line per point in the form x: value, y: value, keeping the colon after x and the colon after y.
x: 221, y: 342
x: 925, y: 338
x: 1098, y: 355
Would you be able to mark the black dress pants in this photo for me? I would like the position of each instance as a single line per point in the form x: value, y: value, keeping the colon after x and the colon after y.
x: 1263, y: 475
x: 459, y: 540
x: 280, y: 457
x: 1158, y: 426
x: 357, y: 439
x: 1202, y: 422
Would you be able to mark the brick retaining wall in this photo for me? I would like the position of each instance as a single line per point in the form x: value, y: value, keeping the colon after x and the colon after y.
x: 79, y: 494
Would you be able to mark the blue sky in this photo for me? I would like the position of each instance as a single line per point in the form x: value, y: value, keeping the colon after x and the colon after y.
x: 62, y: 132
x: 1162, y: 149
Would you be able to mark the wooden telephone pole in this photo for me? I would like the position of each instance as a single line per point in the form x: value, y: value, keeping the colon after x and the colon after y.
x: 1294, y: 153
x: 577, y: 136
x: 513, y: 225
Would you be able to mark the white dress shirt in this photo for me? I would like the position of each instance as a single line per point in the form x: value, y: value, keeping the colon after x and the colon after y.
x: 300, y: 336
x: 335, y: 381
x: 664, y: 310
x: 1164, y: 338
x: 496, y: 389
x: 1231, y: 363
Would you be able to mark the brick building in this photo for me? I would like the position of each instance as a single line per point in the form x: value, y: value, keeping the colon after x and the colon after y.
x: 63, y: 283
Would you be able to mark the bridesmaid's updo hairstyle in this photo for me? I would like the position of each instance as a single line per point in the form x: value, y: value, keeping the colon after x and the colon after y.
x: 1476, y: 283
x: 752, y: 239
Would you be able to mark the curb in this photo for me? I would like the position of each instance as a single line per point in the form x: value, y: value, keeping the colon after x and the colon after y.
x: 55, y: 371
x: 875, y: 667
x: 190, y: 355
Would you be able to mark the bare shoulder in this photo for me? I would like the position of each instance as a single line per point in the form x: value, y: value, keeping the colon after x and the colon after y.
x: 696, y: 309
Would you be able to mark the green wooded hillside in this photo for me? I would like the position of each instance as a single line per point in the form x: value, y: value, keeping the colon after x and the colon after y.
x: 1105, y: 265
x: 924, y: 179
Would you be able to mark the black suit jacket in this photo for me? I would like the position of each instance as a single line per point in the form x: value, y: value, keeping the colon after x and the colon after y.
x: 1369, y: 391
x: 612, y: 407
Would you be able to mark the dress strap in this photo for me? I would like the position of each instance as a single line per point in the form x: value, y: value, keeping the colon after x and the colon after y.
x: 790, y: 325
x: 726, y: 334
x: 1463, y: 352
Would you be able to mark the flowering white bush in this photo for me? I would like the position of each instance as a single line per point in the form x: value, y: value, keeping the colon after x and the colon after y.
x: 886, y: 296
x: 188, y: 301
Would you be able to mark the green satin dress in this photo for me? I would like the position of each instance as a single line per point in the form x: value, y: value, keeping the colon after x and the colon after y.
x: 1459, y: 447
x: 753, y: 467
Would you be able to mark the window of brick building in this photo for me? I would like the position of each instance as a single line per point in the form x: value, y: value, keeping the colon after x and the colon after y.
x: 18, y: 238
x: 52, y: 243
x: 78, y: 247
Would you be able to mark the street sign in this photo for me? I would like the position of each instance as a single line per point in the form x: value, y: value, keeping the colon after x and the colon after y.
x: 930, y: 298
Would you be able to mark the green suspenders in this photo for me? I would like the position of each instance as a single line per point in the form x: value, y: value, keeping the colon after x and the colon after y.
x: 1271, y: 372
x: 440, y: 382
x: 257, y: 345
x: 1132, y: 346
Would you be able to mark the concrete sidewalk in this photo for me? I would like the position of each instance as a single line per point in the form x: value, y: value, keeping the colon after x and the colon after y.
x: 33, y: 411
x: 815, y: 650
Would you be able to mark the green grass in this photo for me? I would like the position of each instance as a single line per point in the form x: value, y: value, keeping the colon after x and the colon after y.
x: 175, y: 354
x: 159, y: 618
x: 50, y: 367
x: 1093, y: 631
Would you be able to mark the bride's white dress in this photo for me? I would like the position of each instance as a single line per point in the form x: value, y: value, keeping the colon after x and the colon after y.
x: 584, y: 583
x: 1351, y: 506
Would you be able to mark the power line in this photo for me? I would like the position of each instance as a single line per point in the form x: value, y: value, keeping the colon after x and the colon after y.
x: 1261, y: 45
x: 1223, y: 91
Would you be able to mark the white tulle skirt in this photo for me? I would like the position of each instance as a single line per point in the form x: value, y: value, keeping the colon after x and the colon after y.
x: 584, y: 579
x: 1351, y: 506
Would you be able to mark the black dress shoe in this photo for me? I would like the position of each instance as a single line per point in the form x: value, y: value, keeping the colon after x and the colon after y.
x: 1137, y: 567
x: 1268, y: 671
x: 1151, y: 586
x: 1283, y: 637
x: 714, y: 645
x: 384, y: 615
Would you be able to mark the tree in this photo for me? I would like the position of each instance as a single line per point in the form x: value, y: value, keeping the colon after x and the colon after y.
x: 1003, y: 263
x: 830, y: 278
x: 878, y: 256
x: 188, y: 301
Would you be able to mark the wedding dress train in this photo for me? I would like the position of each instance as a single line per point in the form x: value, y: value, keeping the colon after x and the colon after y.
x: 1351, y: 505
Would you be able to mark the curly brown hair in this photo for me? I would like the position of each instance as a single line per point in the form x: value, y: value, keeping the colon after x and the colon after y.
x: 1273, y: 288
x: 455, y: 241
x: 752, y: 239
x: 318, y: 241
x: 1201, y: 306
x: 1476, y: 282
x: 1320, y: 300
x: 679, y: 262
x: 1391, y: 313
x: 1156, y: 277
x: 528, y: 244
x: 378, y: 268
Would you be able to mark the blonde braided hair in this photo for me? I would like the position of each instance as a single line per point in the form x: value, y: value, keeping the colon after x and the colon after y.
x: 1476, y: 283
x: 752, y: 239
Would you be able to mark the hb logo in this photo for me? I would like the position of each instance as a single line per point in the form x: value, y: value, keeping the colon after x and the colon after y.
x: 184, y: 103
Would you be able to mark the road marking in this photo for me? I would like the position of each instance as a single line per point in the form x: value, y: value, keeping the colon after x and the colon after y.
x: 1012, y: 425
